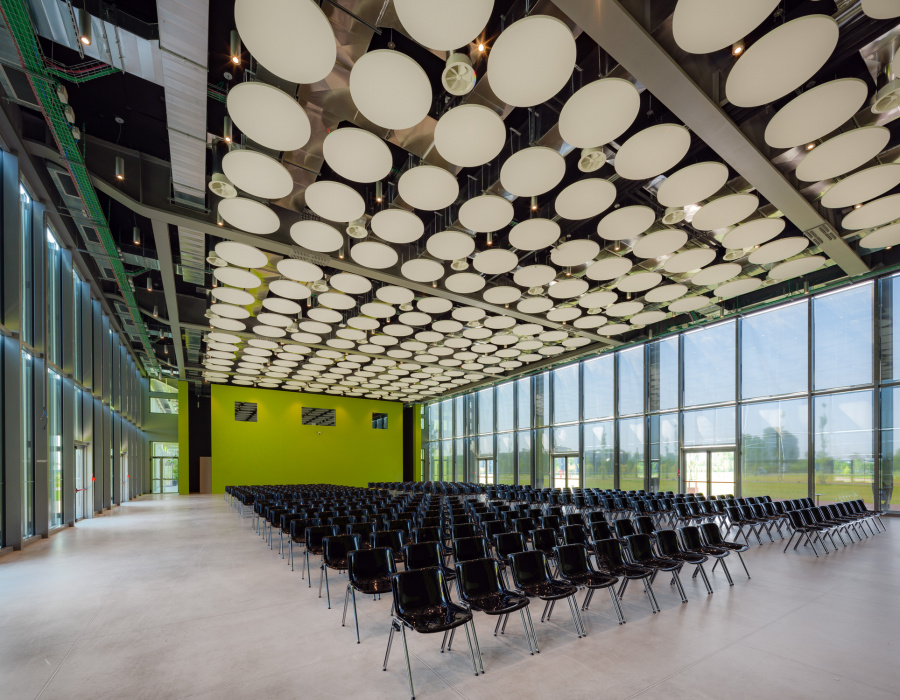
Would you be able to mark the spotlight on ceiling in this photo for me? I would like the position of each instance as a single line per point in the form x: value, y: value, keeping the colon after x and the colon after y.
x: 810, y: 146
x: 235, y: 47
x: 136, y: 235
x: 120, y: 168
x: 737, y: 48
x: 226, y: 129
x: 149, y: 284
x: 85, y: 32
x: 155, y: 311
x: 480, y: 48
x: 378, y: 196
x: 534, y: 204
x: 219, y: 220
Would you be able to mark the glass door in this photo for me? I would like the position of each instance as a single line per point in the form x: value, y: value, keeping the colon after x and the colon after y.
x: 566, y: 471
x: 485, y: 471
x: 79, y: 482
x: 710, y: 472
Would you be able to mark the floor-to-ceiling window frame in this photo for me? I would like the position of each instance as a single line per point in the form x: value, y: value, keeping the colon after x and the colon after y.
x: 798, y: 399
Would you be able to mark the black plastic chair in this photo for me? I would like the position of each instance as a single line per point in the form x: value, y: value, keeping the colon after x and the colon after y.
x: 334, y: 556
x: 668, y: 546
x: 643, y: 524
x: 458, y: 532
x: 640, y: 549
x: 544, y: 540
x: 422, y: 603
x: 713, y: 537
x: 469, y: 548
x: 298, y: 536
x: 480, y: 587
x: 691, y: 541
x: 531, y: 574
x: 314, y: 537
x: 424, y: 555
x: 394, y: 539
x: 610, y: 561
x: 369, y: 571
x: 599, y: 530
x: 575, y: 568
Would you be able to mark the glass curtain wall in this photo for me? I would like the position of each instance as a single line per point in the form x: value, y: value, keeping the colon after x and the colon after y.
x: 801, y: 399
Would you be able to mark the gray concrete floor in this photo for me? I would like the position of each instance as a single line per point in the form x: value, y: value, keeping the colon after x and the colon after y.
x: 176, y: 597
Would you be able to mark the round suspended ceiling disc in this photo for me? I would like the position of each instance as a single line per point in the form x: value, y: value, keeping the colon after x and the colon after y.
x: 753, y: 233
x: 443, y: 26
x: 862, y: 186
x: 532, y: 171
x: 249, y: 215
x: 843, y: 153
x: 724, y: 211
x: 241, y: 254
x: 357, y: 155
x: 257, y: 174
x: 390, y: 89
x: 335, y: 201
x: 599, y: 112
x: 692, y: 184
x: 469, y: 135
x: 486, y: 213
x: 652, y: 151
x: 397, y: 226
x: 816, y: 112
x: 585, y: 198
x: 428, y: 187
x: 317, y: 236
x: 268, y: 116
x: 704, y: 26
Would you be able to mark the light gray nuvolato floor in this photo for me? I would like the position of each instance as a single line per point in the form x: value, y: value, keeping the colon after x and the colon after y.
x: 177, y: 597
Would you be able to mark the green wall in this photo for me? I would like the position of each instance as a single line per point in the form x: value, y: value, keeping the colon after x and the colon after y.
x: 278, y: 449
x: 183, y: 437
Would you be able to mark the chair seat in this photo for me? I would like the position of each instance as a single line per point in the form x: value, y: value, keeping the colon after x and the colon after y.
x: 436, y: 619
x: 628, y: 571
x: 550, y: 590
x: 717, y: 551
x: 592, y: 580
x: 497, y: 603
x: 371, y: 586
x: 661, y: 564
x: 733, y: 546
x: 339, y: 564
x: 689, y: 557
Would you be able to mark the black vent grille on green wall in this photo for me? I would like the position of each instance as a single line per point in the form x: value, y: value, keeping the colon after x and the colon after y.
x: 319, y: 416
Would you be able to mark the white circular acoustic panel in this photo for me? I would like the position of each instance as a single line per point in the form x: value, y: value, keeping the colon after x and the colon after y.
x: 689, y: 304
x: 273, y: 319
x: 563, y: 315
x: 781, y: 61
x: 230, y: 295
x: 299, y: 270
x: 334, y: 300
x: 738, y: 287
x: 647, y: 317
x: 652, y: 151
x: 875, y: 213
x: 795, y: 268
x: 237, y: 277
x: 568, y: 288
x: 724, y: 211
x: 881, y: 9
x: 704, y: 26
x: 334, y: 201
x: 469, y: 135
x: 689, y: 260
x: 627, y: 222
x: 241, y: 254
x: 349, y: 283
x: 249, y: 215
x: 375, y: 310
x: 443, y: 26
x: 692, y: 184
x: 782, y: 249
x: 289, y: 289
x: 624, y: 308
x: 608, y: 269
x: 357, y: 155
x: 374, y: 255
x: 614, y: 329
x: 397, y: 226
x: 495, y: 261
x: 534, y: 305
x: 415, y: 318
x: 269, y: 331
x: 862, y: 186
x: 599, y: 112
x: 229, y: 311
x: 534, y: 275
x: 486, y: 213
x: 501, y: 295
x: 257, y: 174
x: 434, y: 305
x: 428, y: 187
x: 588, y: 322
x: 531, y: 60
x: 465, y: 283
x: 668, y: 292
x: 575, y: 252
x: 882, y: 238
x: 534, y: 234
x: 585, y: 199
x: 752, y: 233
x: 292, y: 39
x: 282, y: 306
x: 223, y: 338
x: 395, y: 295
x: 659, y: 243
x: 716, y: 274
x: 317, y: 236
x: 639, y: 281
x: 390, y: 89
x: 450, y: 245
x: 422, y: 270
x: 532, y: 171
x: 843, y: 153
x: 816, y: 112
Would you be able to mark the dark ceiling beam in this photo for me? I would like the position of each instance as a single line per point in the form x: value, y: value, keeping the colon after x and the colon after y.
x: 167, y: 272
x: 619, y: 34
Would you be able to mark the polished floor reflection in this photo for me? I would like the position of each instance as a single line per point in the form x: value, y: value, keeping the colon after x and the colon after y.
x: 175, y: 597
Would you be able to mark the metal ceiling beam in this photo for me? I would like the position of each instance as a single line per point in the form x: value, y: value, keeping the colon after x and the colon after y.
x: 167, y: 272
x: 619, y: 34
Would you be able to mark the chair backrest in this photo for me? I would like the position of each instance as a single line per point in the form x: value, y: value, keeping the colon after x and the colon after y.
x: 523, y: 526
x: 364, y: 529
x: 423, y: 555
x: 572, y: 534
x: 507, y: 543
x: 317, y: 533
x: 458, y: 532
x: 529, y: 568
x: 478, y: 577
x: 596, y: 516
x: 335, y: 548
x: 544, y: 539
x: 341, y: 521
x: 298, y: 528
x: 427, y: 534
x: 711, y: 534
x: 493, y: 527
x: 418, y: 590
x: 468, y: 548
x: 600, y: 531
x: 388, y: 538
x: 666, y: 542
x: 370, y: 564
x: 400, y: 524
x: 550, y: 521
x: 572, y: 560
x: 574, y: 519
x: 624, y: 528
x: 644, y: 524
x: 640, y: 547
